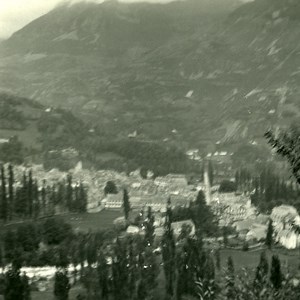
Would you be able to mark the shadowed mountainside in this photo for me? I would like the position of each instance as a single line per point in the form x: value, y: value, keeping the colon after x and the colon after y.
x: 188, y: 73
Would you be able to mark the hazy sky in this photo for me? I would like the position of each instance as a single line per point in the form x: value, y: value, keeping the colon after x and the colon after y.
x: 14, y: 14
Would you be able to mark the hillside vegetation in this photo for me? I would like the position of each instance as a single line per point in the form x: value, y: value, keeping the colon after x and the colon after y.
x: 55, y: 137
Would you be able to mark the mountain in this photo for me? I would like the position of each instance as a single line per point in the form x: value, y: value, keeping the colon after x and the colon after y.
x: 31, y: 133
x: 189, y: 73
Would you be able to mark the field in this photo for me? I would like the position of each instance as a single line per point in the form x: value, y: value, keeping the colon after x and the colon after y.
x: 93, y: 221
x: 81, y: 222
x: 290, y: 259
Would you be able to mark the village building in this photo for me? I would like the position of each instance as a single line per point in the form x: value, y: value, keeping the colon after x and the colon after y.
x: 284, y: 218
x: 159, y: 232
x: 132, y: 229
x: 288, y: 238
x: 231, y: 208
x: 258, y: 232
x: 4, y: 141
x: 113, y: 201
x: 193, y: 154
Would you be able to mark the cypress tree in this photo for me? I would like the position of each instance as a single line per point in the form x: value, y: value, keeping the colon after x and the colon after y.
x: 225, y: 236
x: 132, y: 271
x: 276, y: 276
x: 180, y: 285
x: 26, y: 287
x: 30, y: 195
x: 69, y: 193
x: 24, y: 196
x: 4, y: 207
x: 103, y: 275
x: 269, y: 237
x: 76, y: 206
x: 150, y: 270
x: 261, y: 273
x: 237, y: 179
x: 61, y: 285
x: 210, y: 173
x: 230, y: 279
x: 43, y: 196
x: 120, y: 271
x: 142, y: 290
x: 16, y: 287
x: 209, y: 277
x: 11, y: 196
x: 126, y: 204
x: 83, y: 198
x: 36, y: 200
x: 218, y: 259
x: 168, y: 252
x: 149, y: 230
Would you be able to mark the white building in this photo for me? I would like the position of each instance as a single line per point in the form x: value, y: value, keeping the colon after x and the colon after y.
x: 284, y: 217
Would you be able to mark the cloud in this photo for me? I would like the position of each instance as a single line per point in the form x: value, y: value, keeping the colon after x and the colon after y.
x: 14, y: 14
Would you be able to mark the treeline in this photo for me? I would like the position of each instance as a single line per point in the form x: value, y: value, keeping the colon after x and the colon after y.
x: 134, y: 154
x: 268, y: 189
x: 10, y: 116
x: 28, y: 199
x: 13, y: 151
x: 62, y: 129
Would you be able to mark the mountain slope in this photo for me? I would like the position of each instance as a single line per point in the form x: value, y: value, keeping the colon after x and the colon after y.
x: 31, y: 133
x: 187, y: 73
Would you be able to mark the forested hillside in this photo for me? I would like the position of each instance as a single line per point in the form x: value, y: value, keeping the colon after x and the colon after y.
x: 32, y: 133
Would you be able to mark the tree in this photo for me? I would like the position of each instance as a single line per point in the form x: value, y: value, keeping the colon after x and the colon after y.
x: 11, y: 181
x: 142, y: 290
x: 56, y: 231
x: 4, y: 208
x: 168, y: 252
x: 150, y: 270
x: 149, y: 228
x: 126, y: 204
x: 26, y: 287
x: 202, y: 215
x: 230, y: 278
x: 209, y: 276
x: 133, y: 272
x: 269, y: 237
x: 110, y: 188
x: 36, y: 200
x: 43, y: 196
x: 82, y: 198
x: 120, y: 271
x: 210, y: 173
x: 103, y: 275
x: 227, y: 186
x: 225, y: 236
x: 61, y: 285
x: 30, y: 195
x: 16, y: 286
x: 69, y: 193
x: 237, y: 177
x: 287, y: 144
x: 276, y: 276
x: 218, y: 259
x: 261, y: 273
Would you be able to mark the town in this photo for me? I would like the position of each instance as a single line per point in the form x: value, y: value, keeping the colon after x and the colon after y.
x: 231, y: 209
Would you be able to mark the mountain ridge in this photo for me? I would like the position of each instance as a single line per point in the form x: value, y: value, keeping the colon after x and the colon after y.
x: 239, y: 68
